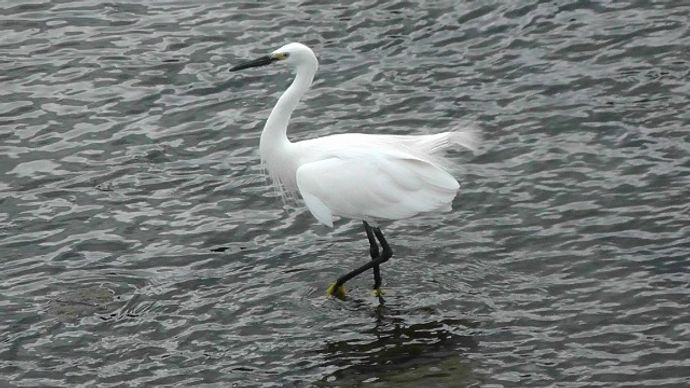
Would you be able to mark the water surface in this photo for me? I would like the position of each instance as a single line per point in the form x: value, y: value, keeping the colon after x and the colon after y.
x: 140, y: 244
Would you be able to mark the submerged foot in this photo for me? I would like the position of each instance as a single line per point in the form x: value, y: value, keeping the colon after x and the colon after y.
x: 337, y: 292
x: 378, y: 292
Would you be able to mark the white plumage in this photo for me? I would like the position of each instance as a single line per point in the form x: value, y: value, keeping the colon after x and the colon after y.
x: 357, y: 176
x: 372, y: 177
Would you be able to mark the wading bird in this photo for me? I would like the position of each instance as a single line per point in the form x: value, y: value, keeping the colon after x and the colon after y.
x: 364, y: 177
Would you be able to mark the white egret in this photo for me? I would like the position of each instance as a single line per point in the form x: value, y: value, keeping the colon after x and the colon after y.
x: 358, y: 176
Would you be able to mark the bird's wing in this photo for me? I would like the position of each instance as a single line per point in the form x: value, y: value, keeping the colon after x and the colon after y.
x: 371, y: 184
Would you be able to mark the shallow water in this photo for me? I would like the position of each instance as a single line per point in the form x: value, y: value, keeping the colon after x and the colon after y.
x: 140, y: 244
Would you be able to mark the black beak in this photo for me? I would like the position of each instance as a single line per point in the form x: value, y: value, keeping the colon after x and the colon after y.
x: 263, y: 61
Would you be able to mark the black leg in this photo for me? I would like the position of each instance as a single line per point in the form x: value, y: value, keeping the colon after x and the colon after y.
x: 341, y: 280
x: 374, y: 253
x: 387, y: 251
x: 385, y: 255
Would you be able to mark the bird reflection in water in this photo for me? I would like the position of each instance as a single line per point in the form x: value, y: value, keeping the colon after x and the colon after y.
x: 396, y: 353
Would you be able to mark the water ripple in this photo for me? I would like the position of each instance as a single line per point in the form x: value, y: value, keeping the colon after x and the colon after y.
x: 141, y: 245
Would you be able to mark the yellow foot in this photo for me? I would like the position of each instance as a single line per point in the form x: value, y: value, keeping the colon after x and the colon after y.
x: 378, y: 292
x: 338, y: 293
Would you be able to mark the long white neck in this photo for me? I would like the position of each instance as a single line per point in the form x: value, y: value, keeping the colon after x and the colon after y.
x: 274, y: 136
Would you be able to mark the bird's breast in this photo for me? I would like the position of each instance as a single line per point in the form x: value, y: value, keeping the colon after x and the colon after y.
x: 282, y: 169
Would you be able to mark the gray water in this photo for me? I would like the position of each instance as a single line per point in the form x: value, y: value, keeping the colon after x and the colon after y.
x: 140, y: 244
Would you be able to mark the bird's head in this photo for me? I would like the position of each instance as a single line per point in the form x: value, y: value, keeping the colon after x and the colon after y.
x: 292, y: 54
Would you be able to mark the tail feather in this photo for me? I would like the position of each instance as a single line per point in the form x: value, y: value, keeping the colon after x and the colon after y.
x: 469, y: 139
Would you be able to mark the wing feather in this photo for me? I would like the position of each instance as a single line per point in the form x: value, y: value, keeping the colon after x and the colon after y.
x: 372, y: 184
